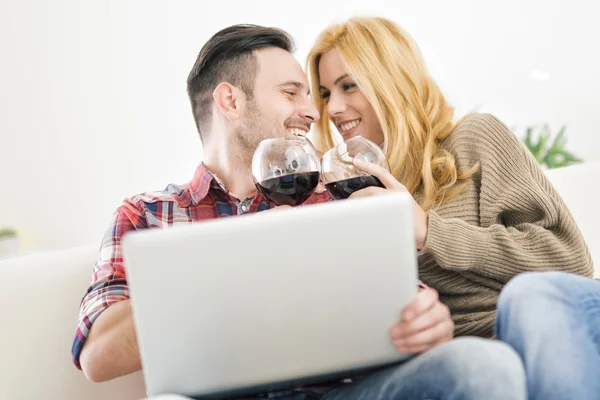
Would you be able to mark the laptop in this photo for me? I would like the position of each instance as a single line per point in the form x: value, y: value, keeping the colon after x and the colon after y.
x: 275, y: 300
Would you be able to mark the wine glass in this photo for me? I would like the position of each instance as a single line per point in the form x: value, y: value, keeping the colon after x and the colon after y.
x: 286, y: 170
x: 339, y: 174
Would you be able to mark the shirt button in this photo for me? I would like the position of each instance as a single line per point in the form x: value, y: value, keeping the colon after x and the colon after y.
x: 244, y: 208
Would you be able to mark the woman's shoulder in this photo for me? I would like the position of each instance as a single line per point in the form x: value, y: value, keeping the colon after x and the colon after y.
x: 483, y: 128
x: 482, y: 134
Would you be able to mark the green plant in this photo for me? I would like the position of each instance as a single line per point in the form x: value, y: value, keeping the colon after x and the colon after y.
x: 547, y: 152
x: 6, y: 233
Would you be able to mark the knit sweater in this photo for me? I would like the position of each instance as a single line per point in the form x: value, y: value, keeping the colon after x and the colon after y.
x: 507, y: 220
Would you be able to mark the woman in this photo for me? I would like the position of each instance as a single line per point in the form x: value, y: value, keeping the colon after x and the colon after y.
x: 552, y: 319
x: 483, y: 209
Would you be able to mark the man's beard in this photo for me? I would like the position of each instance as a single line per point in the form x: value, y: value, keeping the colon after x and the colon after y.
x: 256, y: 128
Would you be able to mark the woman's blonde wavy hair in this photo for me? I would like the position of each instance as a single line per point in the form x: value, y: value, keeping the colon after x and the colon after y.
x: 386, y: 64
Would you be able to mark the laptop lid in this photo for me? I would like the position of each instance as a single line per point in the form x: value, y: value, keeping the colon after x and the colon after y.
x: 271, y: 300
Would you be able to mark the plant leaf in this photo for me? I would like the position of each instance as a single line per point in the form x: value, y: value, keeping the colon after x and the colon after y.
x: 539, y: 150
x: 551, y: 155
x: 560, y: 140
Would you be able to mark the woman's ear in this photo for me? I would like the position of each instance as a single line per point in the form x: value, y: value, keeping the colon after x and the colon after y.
x: 229, y: 100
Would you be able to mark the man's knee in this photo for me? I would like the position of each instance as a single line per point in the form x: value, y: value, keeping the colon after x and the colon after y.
x: 472, y: 354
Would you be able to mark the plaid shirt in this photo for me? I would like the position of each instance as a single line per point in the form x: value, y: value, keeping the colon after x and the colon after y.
x: 201, y: 199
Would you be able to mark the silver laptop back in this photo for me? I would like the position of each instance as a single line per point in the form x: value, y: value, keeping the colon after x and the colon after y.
x: 269, y: 300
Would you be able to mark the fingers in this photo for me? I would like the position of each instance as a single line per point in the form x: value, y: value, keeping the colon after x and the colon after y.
x: 426, y: 339
x: 424, y: 301
x: 430, y: 323
x: 367, y: 192
x: 379, y: 172
x: 320, y: 188
x: 436, y: 315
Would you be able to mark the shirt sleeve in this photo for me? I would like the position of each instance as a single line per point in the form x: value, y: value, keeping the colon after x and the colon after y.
x: 109, y: 280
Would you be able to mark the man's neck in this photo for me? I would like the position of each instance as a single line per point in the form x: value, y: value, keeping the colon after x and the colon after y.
x: 232, y: 169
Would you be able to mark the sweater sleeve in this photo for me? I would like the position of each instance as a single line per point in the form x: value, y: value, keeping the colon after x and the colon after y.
x: 524, y: 224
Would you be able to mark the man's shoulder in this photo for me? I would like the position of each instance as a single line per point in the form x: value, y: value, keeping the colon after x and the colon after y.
x: 154, y: 208
x: 174, y: 193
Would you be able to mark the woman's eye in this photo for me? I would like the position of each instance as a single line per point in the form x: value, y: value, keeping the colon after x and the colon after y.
x: 325, y: 95
x: 348, y: 86
x: 290, y: 93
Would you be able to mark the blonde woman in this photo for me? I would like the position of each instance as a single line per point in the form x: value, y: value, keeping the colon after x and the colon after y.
x: 483, y: 209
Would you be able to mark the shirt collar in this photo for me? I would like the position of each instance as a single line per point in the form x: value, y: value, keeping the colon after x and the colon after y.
x: 201, y: 183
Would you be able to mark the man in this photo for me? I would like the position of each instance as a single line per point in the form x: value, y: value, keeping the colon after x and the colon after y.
x: 245, y: 87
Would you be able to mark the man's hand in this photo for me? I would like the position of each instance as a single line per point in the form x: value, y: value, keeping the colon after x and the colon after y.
x: 425, y: 323
x: 320, y: 187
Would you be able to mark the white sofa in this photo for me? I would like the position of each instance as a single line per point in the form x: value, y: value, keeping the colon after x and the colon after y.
x: 40, y: 294
x: 39, y: 303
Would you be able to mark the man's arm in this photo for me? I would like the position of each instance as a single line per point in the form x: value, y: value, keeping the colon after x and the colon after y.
x: 111, y: 348
x: 105, y: 344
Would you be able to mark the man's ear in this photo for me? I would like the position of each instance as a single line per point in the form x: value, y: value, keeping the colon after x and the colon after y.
x: 229, y: 100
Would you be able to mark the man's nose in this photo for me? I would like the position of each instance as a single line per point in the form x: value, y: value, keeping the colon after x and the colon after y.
x: 309, y: 111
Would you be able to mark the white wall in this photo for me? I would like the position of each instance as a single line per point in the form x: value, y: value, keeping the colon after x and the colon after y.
x: 94, y: 109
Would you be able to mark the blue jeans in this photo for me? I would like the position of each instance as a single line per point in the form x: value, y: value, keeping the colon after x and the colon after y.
x: 552, y: 319
x: 464, y: 368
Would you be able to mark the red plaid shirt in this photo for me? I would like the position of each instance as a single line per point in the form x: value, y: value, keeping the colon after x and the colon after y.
x: 201, y: 199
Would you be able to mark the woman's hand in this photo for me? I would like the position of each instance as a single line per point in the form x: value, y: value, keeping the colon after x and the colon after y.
x: 391, y: 183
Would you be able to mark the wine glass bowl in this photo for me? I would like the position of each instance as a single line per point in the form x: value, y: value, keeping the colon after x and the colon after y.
x: 338, y: 173
x: 286, y: 170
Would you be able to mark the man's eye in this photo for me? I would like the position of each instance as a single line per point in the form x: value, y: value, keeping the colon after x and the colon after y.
x: 290, y: 93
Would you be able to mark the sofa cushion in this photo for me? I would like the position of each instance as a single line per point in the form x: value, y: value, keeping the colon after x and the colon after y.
x: 39, y: 304
x: 578, y: 187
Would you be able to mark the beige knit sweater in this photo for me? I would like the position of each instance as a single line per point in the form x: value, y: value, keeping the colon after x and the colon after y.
x: 508, y: 219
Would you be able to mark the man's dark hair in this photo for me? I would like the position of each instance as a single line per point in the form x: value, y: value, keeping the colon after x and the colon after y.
x: 229, y: 57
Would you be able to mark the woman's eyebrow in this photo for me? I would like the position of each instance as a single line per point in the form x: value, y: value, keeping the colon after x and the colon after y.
x: 336, y: 81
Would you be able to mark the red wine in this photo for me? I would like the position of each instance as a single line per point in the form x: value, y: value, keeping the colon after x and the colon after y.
x: 344, y: 188
x: 292, y: 189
